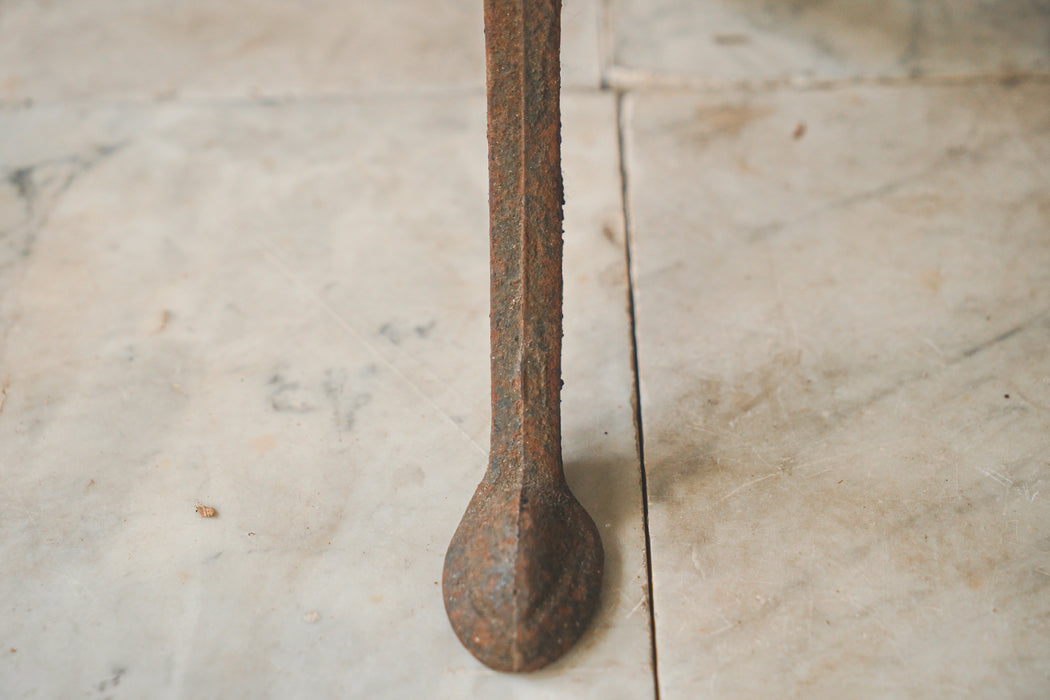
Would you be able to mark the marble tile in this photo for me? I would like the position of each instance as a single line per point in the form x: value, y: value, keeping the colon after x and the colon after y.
x: 280, y: 310
x: 252, y: 48
x: 843, y: 303
x: 716, y: 42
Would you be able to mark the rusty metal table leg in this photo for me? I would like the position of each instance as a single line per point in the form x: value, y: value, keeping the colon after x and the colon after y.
x: 523, y: 571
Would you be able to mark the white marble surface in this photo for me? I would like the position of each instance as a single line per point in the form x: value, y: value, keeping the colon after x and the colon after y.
x: 844, y: 346
x: 243, y: 264
x: 721, y: 42
x: 106, y: 49
x: 280, y: 311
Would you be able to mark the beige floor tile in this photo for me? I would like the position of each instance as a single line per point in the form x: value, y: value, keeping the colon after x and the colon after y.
x: 252, y: 48
x: 724, y: 41
x: 843, y: 303
x: 281, y: 312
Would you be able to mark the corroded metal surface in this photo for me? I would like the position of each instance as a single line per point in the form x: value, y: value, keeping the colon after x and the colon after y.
x: 523, y: 572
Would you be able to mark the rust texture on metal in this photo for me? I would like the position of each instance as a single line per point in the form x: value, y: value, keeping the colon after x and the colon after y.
x: 523, y: 572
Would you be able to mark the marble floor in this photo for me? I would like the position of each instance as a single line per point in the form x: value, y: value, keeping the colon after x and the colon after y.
x: 243, y: 266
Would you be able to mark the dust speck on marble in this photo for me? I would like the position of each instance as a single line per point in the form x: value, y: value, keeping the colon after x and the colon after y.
x: 164, y: 318
x: 311, y: 617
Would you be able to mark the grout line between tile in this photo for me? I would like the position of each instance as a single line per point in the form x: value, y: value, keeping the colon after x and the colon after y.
x: 612, y: 79
x: 251, y: 100
x: 624, y: 79
x: 275, y: 100
x: 636, y: 398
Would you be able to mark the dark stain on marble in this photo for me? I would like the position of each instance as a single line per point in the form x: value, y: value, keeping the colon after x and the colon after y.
x: 29, y: 179
x: 423, y: 330
x: 113, y: 680
x: 22, y: 180
x: 399, y: 332
x: 345, y: 395
x: 723, y: 120
x: 388, y: 331
x: 345, y: 402
x: 288, y: 396
x: 731, y: 39
x: 40, y: 186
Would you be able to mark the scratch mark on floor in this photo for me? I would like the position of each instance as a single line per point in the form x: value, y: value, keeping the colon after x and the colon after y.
x: 1001, y: 479
x: 743, y: 486
x: 640, y: 603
